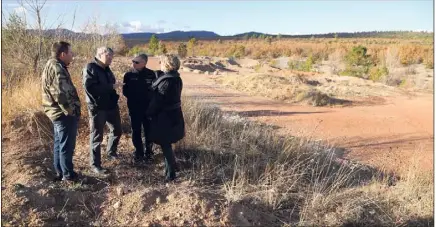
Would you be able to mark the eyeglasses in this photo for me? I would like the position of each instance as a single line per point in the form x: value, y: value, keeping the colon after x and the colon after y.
x: 135, y: 62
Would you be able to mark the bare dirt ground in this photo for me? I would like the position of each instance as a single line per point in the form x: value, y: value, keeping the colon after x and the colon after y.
x: 389, y: 132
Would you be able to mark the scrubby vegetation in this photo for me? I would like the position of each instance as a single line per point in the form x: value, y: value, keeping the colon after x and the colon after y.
x: 368, y: 58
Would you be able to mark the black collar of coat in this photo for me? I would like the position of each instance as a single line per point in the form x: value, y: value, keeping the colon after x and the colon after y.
x: 138, y: 71
x: 173, y: 73
x: 99, y: 63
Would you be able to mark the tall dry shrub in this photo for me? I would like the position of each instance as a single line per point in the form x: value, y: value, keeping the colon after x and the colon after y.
x: 410, y: 54
x: 392, y: 58
x: 20, y: 82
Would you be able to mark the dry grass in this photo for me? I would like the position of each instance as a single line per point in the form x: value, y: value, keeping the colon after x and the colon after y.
x: 296, y: 177
x: 24, y: 99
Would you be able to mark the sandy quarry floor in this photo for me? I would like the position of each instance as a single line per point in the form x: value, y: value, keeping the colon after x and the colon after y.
x: 393, y: 133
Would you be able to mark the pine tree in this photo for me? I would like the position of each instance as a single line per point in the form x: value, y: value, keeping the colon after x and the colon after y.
x: 153, y: 45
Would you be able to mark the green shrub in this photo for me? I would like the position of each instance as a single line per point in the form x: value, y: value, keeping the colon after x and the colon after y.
x: 302, y: 65
x: 239, y: 51
x: 308, y: 64
x: 360, y: 72
x: 377, y: 73
x: 273, y: 63
x: 358, y: 62
x: 236, y: 51
x: 153, y: 45
x: 357, y: 57
x: 134, y: 51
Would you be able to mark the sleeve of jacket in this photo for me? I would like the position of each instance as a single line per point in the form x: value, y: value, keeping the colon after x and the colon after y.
x: 90, y: 82
x: 126, y: 89
x: 156, y: 104
x: 61, y: 89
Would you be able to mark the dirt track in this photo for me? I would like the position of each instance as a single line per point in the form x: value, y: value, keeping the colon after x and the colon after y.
x: 391, y: 136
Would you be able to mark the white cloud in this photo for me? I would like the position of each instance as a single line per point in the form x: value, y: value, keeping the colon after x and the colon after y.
x: 137, y: 26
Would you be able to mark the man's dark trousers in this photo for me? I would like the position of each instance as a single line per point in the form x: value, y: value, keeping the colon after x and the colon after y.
x: 140, y: 122
x: 98, y: 119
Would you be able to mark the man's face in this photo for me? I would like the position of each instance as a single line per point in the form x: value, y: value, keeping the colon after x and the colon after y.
x: 138, y: 63
x: 67, y: 57
x: 107, y: 58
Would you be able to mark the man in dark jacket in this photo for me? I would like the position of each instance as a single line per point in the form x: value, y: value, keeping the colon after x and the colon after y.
x: 136, y: 89
x: 102, y: 99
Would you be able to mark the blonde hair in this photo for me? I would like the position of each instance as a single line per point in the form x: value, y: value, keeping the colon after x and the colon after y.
x: 169, y: 62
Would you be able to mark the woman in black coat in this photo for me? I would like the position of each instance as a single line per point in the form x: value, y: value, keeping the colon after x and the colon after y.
x: 167, y: 123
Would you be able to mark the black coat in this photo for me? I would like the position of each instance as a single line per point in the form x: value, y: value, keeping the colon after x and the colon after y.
x: 137, y: 89
x: 98, y: 83
x: 167, y: 122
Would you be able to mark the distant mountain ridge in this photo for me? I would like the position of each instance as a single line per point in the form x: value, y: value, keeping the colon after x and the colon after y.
x: 209, y: 35
x: 133, y: 39
x: 171, y: 35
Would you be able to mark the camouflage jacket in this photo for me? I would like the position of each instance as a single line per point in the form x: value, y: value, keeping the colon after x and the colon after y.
x: 59, y: 96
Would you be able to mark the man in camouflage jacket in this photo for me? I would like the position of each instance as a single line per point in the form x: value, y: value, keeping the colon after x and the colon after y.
x: 62, y: 105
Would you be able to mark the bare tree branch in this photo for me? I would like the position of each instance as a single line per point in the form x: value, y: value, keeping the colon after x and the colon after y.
x: 74, y: 18
x: 35, y: 7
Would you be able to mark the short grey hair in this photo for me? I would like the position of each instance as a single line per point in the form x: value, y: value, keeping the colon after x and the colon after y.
x: 169, y: 62
x: 103, y: 50
x: 143, y: 57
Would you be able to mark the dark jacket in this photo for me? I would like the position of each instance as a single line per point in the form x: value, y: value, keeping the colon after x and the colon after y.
x: 98, y: 83
x: 167, y: 122
x: 137, y: 89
